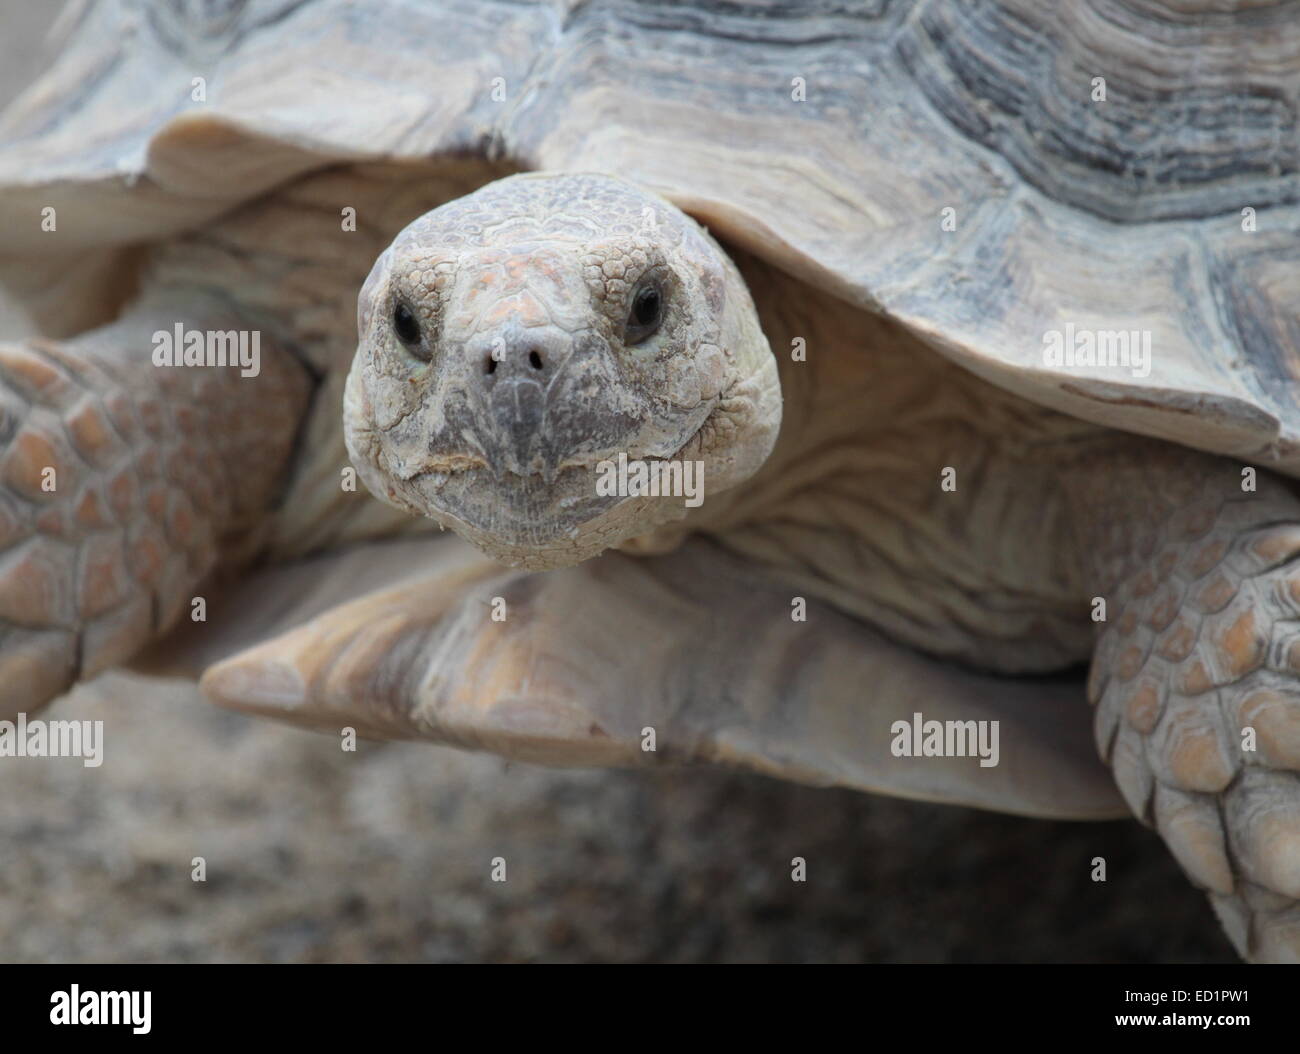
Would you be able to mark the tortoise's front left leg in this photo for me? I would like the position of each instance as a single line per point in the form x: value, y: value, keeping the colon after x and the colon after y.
x: 122, y: 482
x: 1196, y: 680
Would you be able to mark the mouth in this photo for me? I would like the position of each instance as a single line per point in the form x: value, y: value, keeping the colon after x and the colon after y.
x: 438, y: 469
x: 545, y: 507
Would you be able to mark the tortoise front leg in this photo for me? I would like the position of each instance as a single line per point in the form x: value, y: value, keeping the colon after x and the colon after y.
x: 121, y: 484
x: 1195, y: 680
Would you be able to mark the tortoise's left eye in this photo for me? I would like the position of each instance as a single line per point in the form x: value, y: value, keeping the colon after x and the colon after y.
x: 645, y: 314
x: 406, y: 326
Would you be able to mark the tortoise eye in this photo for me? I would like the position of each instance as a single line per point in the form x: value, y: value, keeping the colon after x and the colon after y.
x: 644, y: 316
x: 406, y: 326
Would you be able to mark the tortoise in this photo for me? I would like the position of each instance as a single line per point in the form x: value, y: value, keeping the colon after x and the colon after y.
x: 971, y: 324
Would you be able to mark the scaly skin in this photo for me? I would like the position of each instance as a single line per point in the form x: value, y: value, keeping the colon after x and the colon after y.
x: 162, y: 473
x: 1194, y: 659
x: 523, y: 377
x: 1194, y: 679
x: 158, y: 474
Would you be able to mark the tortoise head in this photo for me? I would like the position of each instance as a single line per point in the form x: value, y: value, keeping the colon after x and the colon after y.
x: 556, y: 364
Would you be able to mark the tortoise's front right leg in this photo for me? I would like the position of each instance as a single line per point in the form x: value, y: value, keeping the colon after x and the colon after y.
x: 122, y: 482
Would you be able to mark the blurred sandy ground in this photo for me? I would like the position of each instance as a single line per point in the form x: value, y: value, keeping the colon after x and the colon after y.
x: 384, y: 855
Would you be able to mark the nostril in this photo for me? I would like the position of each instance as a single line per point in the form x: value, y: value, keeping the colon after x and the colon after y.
x: 535, y: 360
x: 491, y: 365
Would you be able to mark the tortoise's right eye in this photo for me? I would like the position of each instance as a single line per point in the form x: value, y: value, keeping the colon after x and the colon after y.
x: 406, y: 326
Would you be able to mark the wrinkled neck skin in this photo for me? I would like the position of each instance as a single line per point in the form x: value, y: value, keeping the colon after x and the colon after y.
x: 998, y: 573
x: 845, y: 505
x: 270, y: 261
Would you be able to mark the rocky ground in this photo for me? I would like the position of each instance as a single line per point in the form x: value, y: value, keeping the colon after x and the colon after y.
x: 314, y: 854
